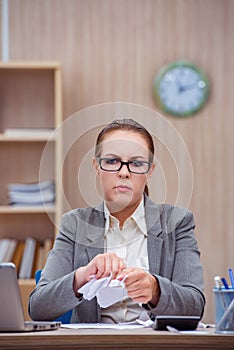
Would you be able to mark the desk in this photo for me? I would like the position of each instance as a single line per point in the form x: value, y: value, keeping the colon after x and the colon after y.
x: 99, y: 339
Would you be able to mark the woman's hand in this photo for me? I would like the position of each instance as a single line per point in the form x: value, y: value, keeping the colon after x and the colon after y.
x: 141, y: 286
x: 101, y: 266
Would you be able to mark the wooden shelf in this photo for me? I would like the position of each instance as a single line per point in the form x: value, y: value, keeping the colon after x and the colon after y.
x: 30, y: 149
x: 27, y: 282
x: 26, y: 287
x: 8, y: 209
x: 30, y: 65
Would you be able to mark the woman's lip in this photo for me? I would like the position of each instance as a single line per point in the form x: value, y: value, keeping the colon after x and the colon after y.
x: 123, y: 188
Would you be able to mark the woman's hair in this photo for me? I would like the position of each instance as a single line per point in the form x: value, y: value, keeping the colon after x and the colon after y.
x: 126, y: 125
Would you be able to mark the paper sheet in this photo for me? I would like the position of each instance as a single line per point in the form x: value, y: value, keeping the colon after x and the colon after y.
x: 141, y: 322
x: 106, y: 291
x: 102, y: 326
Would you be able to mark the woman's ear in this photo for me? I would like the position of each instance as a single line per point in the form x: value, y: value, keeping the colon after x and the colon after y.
x: 151, y: 171
x: 96, y: 165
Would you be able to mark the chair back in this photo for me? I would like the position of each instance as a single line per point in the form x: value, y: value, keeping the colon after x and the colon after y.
x: 65, y: 318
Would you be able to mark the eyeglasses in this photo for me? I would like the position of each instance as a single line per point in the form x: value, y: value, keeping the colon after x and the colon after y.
x: 115, y: 164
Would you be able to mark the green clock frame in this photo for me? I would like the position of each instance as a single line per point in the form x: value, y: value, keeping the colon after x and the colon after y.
x: 159, y: 78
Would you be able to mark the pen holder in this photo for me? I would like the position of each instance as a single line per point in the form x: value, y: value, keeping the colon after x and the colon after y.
x: 224, y: 310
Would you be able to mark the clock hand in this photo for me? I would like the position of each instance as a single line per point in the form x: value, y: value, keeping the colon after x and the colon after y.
x: 189, y: 86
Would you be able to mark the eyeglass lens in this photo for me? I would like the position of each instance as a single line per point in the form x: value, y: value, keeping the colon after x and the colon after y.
x: 135, y: 166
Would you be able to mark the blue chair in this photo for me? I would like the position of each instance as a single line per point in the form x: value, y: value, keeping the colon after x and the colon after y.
x: 65, y: 318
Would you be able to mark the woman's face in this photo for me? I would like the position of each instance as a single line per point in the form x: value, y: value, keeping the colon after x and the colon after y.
x: 122, y: 188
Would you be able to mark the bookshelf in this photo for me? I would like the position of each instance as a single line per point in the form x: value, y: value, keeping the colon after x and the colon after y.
x: 30, y: 110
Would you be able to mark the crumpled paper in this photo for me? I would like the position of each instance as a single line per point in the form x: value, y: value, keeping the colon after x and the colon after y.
x: 107, y: 291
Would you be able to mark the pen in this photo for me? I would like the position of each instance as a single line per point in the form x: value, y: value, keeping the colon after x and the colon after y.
x: 225, y: 283
x: 218, y: 282
x: 231, y: 277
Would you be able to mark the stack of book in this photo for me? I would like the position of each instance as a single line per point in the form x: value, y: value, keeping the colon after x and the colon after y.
x: 7, y: 249
x: 28, y: 255
x: 40, y: 193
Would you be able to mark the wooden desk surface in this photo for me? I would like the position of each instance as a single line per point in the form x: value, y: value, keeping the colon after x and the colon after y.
x: 99, y: 339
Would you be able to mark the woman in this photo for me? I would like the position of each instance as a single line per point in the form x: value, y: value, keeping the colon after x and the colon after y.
x: 151, y: 247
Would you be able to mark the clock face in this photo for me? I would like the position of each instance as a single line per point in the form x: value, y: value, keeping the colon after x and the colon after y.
x: 181, y: 88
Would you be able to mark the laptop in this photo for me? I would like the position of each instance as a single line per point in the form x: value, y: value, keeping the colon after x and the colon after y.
x: 11, y: 309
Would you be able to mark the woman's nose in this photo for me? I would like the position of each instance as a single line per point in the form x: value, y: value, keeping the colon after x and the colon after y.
x: 124, y: 172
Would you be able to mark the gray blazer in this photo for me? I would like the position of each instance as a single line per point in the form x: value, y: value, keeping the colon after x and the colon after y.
x: 173, y: 256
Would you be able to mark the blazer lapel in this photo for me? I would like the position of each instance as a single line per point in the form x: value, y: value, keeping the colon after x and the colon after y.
x: 96, y: 230
x: 154, y: 230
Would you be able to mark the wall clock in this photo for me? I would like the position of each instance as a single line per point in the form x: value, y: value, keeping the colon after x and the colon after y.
x: 181, y: 88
